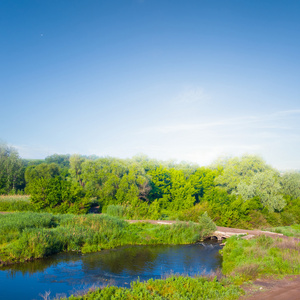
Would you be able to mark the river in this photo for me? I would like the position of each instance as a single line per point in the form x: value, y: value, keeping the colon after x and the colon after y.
x: 70, y: 273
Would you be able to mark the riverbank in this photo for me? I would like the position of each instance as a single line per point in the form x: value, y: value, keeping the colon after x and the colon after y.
x: 27, y: 236
x: 247, y: 266
x: 202, y: 288
x: 221, y: 232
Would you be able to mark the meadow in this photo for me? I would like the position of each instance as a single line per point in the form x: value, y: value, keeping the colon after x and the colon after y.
x: 293, y: 230
x: 261, y: 257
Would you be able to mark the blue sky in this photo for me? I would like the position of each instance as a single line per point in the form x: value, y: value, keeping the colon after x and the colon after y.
x: 185, y: 80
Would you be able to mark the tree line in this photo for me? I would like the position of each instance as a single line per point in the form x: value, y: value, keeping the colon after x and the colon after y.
x: 239, y: 192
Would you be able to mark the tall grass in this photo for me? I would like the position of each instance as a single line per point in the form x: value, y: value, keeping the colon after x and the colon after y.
x: 116, y: 211
x: 173, y: 288
x: 262, y: 256
x: 15, y: 203
x: 293, y: 230
x: 29, y: 235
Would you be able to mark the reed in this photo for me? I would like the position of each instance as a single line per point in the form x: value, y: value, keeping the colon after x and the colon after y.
x: 29, y: 235
x: 15, y: 203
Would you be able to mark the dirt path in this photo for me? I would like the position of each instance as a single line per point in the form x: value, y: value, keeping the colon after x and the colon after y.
x: 267, y: 289
x: 250, y: 233
x: 226, y: 231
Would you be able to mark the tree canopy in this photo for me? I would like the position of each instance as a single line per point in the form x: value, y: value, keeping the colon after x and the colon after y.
x: 239, y: 191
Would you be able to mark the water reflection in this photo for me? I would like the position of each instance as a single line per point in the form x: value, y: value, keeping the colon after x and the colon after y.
x: 65, y: 273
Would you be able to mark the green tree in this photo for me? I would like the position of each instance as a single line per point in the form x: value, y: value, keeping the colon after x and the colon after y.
x: 58, y: 195
x: 11, y: 170
x: 172, y: 189
x: 203, y: 180
x: 62, y: 160
x: 42, y: 170
x: 290, y: 184
x: 236, y: 170
x: 266, y: 187
x: 76, y: 162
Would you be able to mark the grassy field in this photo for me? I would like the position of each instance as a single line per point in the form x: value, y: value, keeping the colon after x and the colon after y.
x: 262, y: 256
x: 29, y: 235
x: 293, y: 230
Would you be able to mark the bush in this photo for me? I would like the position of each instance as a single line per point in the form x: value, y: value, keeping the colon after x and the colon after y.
x: 58, y: 195
x: 115, y: 211
x: 207, y: 225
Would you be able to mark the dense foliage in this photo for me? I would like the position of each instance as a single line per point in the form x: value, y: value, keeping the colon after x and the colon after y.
x: 240, y: 192
x: 29, y: 235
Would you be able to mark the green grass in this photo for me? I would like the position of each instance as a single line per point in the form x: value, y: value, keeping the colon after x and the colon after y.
x: 174, y: 287
x: 293, y: 230
x: 262, y: 256
x: 15, y: 203
x: 28, y: 235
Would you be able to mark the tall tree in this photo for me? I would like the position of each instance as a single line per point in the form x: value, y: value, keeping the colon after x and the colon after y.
x: 11, y: 169
x: 63, y: 160
x: 238, y: 169
x: 76, y: 161
x: 290, y: 183
x: 265, y: 186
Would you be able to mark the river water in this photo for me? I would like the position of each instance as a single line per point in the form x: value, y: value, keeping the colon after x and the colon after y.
x: 70, y: 273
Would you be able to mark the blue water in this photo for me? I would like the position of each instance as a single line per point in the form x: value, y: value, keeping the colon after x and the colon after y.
x: 71, y: 273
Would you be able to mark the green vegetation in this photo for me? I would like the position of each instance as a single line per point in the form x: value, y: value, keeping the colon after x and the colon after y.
x: 262, y: 256
x: 11, y: 170
x: 293, y: 230
x: 241, y: 192
x: 28, y: 235
x: 174, y: 287
x: 15, y: 203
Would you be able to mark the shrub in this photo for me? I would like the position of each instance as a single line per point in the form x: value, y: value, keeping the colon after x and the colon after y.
x: 115, y: 211
x: 207, y: 225
x: 58, y: 195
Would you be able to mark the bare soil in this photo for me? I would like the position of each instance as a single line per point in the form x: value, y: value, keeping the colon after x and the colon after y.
x: 272, y: 289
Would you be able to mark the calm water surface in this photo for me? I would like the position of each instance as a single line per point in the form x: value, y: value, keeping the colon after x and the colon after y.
x: 69, y: 273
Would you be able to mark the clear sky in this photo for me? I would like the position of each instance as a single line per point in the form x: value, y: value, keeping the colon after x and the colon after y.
x: 186, y: 80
